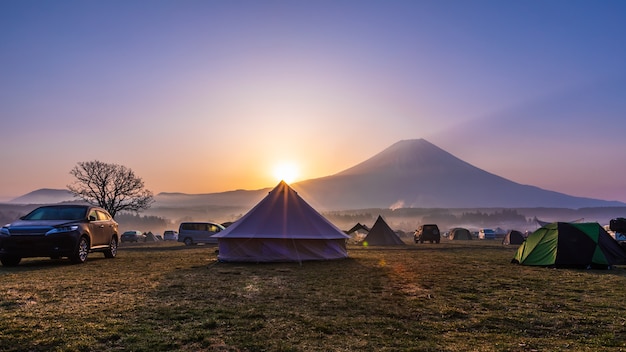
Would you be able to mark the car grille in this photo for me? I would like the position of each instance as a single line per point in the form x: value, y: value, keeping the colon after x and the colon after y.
x: 30, y: 230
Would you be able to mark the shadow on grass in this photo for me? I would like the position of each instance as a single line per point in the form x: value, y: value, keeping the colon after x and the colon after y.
x: 40, y: 263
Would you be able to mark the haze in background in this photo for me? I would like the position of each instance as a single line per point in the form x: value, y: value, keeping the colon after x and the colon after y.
x: 209, y: 96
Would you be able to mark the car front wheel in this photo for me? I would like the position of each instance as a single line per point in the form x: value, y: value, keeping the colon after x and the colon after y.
x: 82, y: 250
x: 188, y: 242
x: 9, y: 260
x: 111, y: 252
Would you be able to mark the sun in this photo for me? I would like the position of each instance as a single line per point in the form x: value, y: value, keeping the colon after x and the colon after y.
x: 287, y: 172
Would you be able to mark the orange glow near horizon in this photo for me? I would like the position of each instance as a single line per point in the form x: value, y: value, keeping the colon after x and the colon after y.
x: 286, y: 171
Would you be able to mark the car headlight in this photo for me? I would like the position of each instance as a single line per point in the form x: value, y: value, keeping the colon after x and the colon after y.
x: 5, y: 231
x: 62, y: 229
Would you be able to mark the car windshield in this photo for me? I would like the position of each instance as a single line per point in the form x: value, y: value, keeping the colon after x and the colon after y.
x: 57, y: 213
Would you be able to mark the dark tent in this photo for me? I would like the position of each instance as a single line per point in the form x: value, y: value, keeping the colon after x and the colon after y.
x: 358, y: 228
x: 459, y: 233
x: 513, y: 237
x: 578, y: 245
x: 357, y: 233
x: 150, y: 237
x: 381, y: 235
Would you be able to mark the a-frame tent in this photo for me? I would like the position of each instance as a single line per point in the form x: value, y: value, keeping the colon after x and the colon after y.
x: 282, y: 227
x: 358, y: 228
x: 357, y: 232
x: 381, y: 235
x: 577, y: 245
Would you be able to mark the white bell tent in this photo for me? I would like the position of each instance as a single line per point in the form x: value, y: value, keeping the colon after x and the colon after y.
x: 282, y: 227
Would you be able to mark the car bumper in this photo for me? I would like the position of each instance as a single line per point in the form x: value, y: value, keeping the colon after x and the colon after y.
x: 58, y: 245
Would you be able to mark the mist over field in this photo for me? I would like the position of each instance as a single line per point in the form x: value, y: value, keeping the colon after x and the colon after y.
x: 410, y: 183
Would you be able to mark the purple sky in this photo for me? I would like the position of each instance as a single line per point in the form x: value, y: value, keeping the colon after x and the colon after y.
x: 207, y: 96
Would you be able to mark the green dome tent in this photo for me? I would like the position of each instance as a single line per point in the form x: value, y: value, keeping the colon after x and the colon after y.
x: 577, y: 245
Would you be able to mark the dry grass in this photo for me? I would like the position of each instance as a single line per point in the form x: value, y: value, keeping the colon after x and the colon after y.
x: 462, y: 296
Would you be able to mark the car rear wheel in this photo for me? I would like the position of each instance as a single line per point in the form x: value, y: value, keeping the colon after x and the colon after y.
x: 9, y: 260
x: 111, y: 252
x: 80, y: 253
x: 188, y: 242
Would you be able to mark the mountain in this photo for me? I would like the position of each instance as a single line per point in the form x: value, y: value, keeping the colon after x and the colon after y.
x: 44, y: 196
x: 416, y: 173
x: 410, y: 173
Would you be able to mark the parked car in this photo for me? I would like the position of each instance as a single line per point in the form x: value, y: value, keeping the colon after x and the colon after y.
x: 170, y: 235
x: 198, y: 232
x: 58, y: 231
x: 133, y: 236
x: 487, y: 234
x: 427, y: 232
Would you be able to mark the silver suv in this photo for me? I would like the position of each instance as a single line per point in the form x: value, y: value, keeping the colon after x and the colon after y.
x: 170, y: 235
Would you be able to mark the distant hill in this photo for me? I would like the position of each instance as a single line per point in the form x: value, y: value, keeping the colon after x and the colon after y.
x: 164, y: 199
x: 44, y: 196
x: 231, y: 198
x: 408, y: 174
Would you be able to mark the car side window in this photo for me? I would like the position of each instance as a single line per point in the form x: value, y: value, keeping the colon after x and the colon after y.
x: 102, y: 215
x: 93, y: 215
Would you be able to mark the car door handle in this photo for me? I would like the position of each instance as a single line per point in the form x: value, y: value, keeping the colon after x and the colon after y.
x: 101, y: 226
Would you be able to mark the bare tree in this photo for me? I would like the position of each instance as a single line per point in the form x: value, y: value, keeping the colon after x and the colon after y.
x: 110, y: 186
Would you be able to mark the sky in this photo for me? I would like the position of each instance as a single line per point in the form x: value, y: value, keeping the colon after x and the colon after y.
x: 211, y: 96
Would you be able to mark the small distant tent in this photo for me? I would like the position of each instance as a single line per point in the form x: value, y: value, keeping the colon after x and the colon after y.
x: 577, y: 245
x: 358, y: 228
x: 381, y: 235
x: 150, y: 237
x: 358, y: 232
x: 282, y: 227
x: 460, y: 233
x: 513, y: 237
x: 500, y: 232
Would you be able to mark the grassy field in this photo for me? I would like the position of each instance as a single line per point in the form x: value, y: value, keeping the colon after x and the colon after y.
x: 462, y: 296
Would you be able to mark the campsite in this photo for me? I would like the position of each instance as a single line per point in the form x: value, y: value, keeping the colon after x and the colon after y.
x: 452, y: 296
x: 284, y: 278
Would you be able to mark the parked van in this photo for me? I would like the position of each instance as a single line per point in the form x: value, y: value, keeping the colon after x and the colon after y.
x: 198, y: 232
